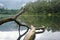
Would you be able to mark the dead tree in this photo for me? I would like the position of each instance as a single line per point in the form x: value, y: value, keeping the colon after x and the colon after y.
x: 30, y: 33
x: 14, y: 18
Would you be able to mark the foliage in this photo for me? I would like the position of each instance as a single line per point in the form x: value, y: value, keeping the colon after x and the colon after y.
x: 39, y: 13
x: 45, y: 13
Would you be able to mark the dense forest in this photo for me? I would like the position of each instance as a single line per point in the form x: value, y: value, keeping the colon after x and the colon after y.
x: 45, y: 7
x: 41, y: 12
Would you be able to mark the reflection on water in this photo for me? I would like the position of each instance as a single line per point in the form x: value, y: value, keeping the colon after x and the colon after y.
x: 9, y: 26
x: 48, y: 36
x: 22, y: 30
x: 9, y: 31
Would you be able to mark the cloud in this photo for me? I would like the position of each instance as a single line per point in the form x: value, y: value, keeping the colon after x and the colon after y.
x: 34, y: 0
x: 1, y: 5
x: 14, y: 4
x: 23, y: 5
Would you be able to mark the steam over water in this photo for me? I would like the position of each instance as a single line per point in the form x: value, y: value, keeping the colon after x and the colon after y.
x: 9, y: 35
x: 9, y: 31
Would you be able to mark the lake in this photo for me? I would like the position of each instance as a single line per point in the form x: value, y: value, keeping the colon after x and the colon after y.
x: 9, y: 31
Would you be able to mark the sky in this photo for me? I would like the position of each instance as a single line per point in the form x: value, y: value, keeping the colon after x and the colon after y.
x: 13, y: 4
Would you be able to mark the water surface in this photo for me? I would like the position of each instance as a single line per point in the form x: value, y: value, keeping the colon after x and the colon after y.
x: 9, y: 31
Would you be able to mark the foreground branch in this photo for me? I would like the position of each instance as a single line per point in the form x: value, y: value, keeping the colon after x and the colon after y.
x: 32, y: 32
x: 18, y: 14
x: 6, y: 20
x: 12, y: 18
x: 22, y: 34
x: 19, y: 27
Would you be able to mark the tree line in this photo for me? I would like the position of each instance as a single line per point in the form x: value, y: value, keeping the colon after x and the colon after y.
x: 8, y: 11
x: 44, y: 6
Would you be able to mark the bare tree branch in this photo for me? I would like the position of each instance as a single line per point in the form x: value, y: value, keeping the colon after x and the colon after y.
x: 12, y: 18
x: 22, y: 34
x: 43, y: 29
x: 21, y: 24
x: 32, y: 32
x: 18, y: 14
x: 6, y: 20
x: 24, y: 26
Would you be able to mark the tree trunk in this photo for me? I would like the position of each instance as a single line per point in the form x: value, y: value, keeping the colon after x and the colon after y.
x: 31, y: 34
